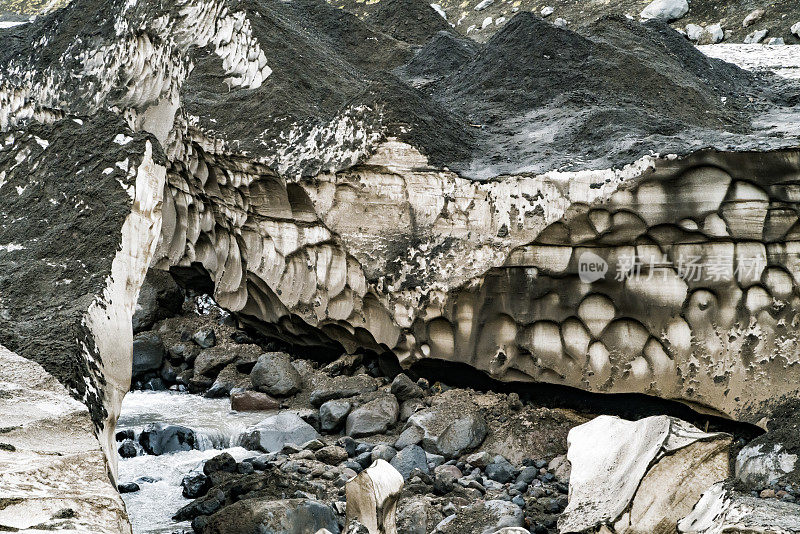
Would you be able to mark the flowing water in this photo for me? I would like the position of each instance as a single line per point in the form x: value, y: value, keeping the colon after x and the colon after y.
x: 217, y: 429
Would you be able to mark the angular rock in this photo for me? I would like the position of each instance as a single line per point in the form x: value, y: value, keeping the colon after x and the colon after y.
x: 159, y: 438
x: 211, y: 361
x: 756, y: 36
x: 274, y: 432
x: 342, y: 387
x: 282, y: 516
x: 482, y: 518
x: 451, y: 438
x: 638, y: 475
x: 160, y: 297
x: 404, y: 389
x: 410, y: 458
x: 253, y: 401
x: 667, y: 10
x: 501, y: 470
x: 274, y: 374
x: 205, y: 338
x: 374, y: 417
x: 417, y: 515
x: 331, y: 454
x: 148, y: 353
x: 333, y: 413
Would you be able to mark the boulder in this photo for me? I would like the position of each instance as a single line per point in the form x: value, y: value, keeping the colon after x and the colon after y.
x: 148, y: 353
x: 221, y: 462
x: 282, y: 516
x: 756, y: 36
x: 501, y: 470
x: 404, y: 389
x: 410, y: 458
x: 333, y: 413
x: 482, y: 518
x: 195, y: 485
x: 331, y: 454
x: 253, y: 401
x: 753, y: 17
x: 274, y: 374
x: 342, y: 387
x: 450, y: 437
x: 127, y: 449
x: 666, y: 10
x: 417, y: 515
x: 228, y: 379
x: 637, y: 475
x: 372, y: 498
x: 205, y: 337
x: 159, y: 438
x: 160, y: 297
x: 274, y: 432
x: 211, y: 361
x: 128, y: 487
x: 374, y: 417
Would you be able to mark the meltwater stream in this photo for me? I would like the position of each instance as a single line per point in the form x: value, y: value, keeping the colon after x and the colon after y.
x: 217, y: 429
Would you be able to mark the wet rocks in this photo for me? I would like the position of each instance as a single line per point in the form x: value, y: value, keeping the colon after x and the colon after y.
x: 127, y: 449
x: 223, y: 462
x: 195, y: 485
x: 159, y: 438
x: 128, y: 487
x: 253, y: 401
x: 275, y: 375
x: 374, y: 417
x: 274, y: 432
x: 667, y: 10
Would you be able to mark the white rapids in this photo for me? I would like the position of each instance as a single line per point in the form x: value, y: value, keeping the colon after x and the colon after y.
x: 217, y: 428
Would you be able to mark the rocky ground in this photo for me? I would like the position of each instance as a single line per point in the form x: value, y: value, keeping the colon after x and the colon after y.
x: 472, y: 460
x: 482, y: 19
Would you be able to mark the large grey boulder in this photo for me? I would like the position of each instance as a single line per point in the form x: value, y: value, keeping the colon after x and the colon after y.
x: 271, y: 434
x: 148, y: 353
x: 410, y: 458
x: 282, y: 516
x: 274, y: 374
x: 450, y: 436
x: 482, y: 518
x: 374, y: 417
x: 159, y: 298
x: 667, y: 10
x: 332, y: 414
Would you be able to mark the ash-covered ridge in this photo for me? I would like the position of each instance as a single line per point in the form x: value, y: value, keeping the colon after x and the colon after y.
x: 302, y: 86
